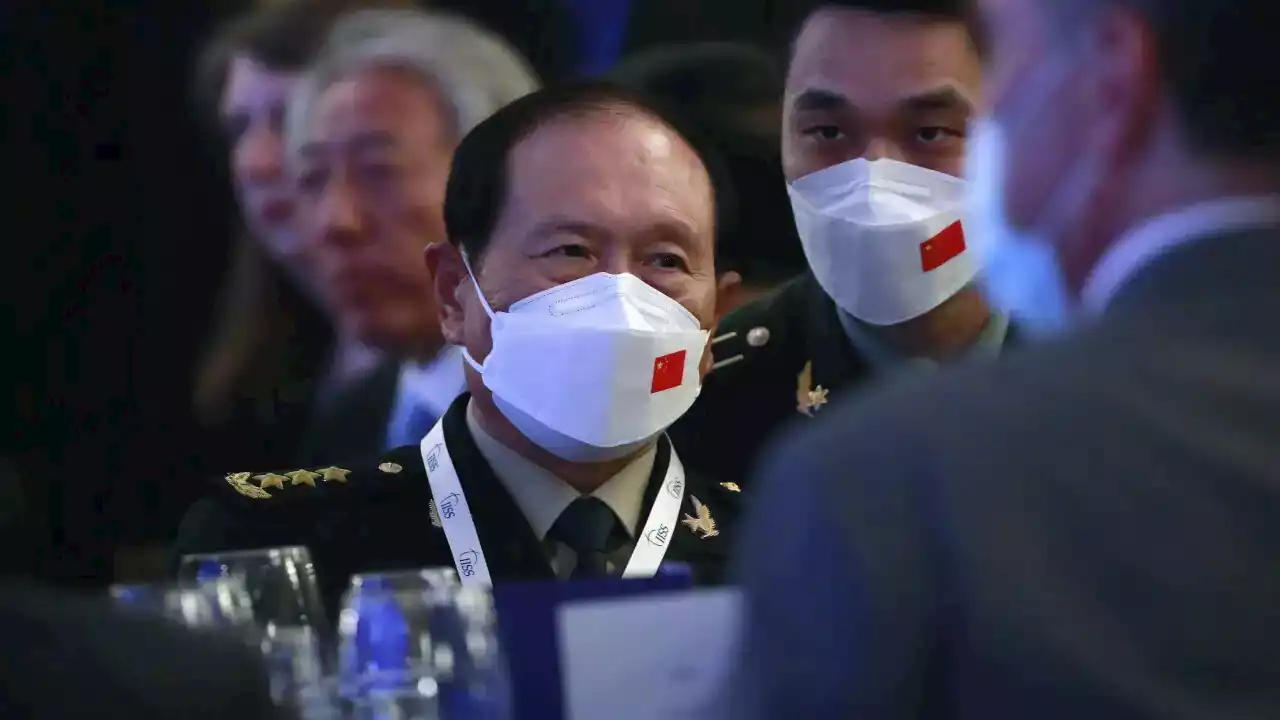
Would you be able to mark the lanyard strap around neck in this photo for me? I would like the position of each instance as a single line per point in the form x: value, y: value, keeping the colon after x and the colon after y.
x: 460, y: 527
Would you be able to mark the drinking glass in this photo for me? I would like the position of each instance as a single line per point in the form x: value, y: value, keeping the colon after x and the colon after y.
x: 222, y: 603
x: 282, y: 587
x: 419, y: 646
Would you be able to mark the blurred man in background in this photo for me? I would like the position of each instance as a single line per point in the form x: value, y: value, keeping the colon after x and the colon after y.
x: 1090, y: 529
x: 371, y: 134
x: 878, y: 95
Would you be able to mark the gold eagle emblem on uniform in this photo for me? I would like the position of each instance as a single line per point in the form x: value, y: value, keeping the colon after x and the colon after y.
x: 701, y: 521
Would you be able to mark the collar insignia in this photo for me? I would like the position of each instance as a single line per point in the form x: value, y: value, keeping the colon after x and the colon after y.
x: 701, y: 521
x: 731, y: 487
x: 809, y: 398
x: 390, y: 468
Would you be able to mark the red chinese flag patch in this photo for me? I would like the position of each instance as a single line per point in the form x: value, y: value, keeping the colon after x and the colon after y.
x: 668, y: 372
x: 941, y: 248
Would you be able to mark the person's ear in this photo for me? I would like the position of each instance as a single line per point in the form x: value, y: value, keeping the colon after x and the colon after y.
x: 729, y: 294
x: 449, y: 277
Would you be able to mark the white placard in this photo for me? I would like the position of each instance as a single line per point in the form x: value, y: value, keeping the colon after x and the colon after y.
x: 662, y: 656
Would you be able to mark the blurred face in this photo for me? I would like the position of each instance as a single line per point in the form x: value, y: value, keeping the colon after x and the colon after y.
x: 1079, y: 108
x: 616, y: 193
x: 870, y: 86
x: 252, y: 109
x: 372, y: 178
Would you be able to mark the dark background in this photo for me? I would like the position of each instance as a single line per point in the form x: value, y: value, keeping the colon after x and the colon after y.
x: 118, y: 215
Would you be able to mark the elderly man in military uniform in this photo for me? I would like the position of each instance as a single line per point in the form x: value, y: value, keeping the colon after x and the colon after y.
x: 876, y: 103
x: 579, y: 282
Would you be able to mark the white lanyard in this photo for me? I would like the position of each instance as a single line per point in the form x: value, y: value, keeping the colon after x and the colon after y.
x: 460, y: 528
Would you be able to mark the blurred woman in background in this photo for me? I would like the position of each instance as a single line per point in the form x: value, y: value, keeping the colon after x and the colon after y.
x: 273, y: 357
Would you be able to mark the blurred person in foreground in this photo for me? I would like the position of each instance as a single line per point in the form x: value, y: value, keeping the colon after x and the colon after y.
x: 371, y: 133
x: 579, y: 283
x: 877, y: 96
x: 70, y: 658
x: 274, y: 356
x: 1089, y: 529
x: 733, y: 94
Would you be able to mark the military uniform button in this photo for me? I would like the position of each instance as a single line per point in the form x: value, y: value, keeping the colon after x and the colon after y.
x: 758, y: 336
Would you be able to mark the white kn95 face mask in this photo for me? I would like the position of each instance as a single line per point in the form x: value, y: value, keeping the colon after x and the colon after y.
x: 593, y: 369
x: 883, y: 237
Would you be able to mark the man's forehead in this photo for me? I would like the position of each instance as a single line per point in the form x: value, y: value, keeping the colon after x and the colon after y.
x: 616, y: 162
x: 866, y: 57
x: 833, y: 94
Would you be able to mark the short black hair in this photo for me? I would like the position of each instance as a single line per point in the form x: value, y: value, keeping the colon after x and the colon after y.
x: 962, y: 11
x: 724, y: 89
x: 1211, y: 57
x: 480, y: 175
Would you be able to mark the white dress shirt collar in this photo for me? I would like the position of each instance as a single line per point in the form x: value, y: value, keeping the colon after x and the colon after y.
x: 542, y: 496
x: 1154, y: 236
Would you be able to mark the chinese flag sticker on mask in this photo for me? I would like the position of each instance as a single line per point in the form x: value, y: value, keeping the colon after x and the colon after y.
x: 946, y: 245
x: 668, y: 372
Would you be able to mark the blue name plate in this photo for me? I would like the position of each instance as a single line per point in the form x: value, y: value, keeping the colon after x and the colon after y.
x: 527, y: 630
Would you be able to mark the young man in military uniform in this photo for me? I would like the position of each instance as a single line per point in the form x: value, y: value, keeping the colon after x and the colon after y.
x: 580, y: 283
x: 878, y: 93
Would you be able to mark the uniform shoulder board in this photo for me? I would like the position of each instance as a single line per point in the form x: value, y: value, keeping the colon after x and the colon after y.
x: 387, y: 470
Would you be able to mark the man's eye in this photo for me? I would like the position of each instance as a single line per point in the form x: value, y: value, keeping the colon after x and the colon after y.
x: 569, y: 250
x: 669, y: 261
x: 823, y: 132
x: 311, y: 181
x: 933, y: 134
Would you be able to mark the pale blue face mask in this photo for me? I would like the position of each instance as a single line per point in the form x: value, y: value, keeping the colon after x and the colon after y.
x: 1021, y: 274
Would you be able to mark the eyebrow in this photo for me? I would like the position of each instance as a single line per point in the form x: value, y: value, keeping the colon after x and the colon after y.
x: 948, y: 96
x: 377, y: 140
x: 945, y: 97
x: 814, y: 100
x: 554, y: 225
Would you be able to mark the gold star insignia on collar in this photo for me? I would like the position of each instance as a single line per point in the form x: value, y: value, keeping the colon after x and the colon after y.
x: 701, y: 521
x: 303, y: 477
x: 334, y: 474
x: 433, y: 513
x: 270, y: 480
x: 731, y: 487
x: 240, y: 482
x: 390, y: 468
x: 808, y: 397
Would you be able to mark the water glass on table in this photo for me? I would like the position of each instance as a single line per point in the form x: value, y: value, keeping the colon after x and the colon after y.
x: 221, y: 604
x: 285, y: 597
x: 419, y: 646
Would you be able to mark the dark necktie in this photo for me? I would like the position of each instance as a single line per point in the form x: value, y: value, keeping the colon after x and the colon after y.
x: 586, y: 527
